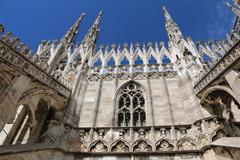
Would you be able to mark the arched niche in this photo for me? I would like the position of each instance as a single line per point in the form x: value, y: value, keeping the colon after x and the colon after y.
x: 186, y: 144
x: 164, y: 145
x: 43, y: 115
x: 44, y: 106
x: 119, y: 145
x: 141, y: 145
x: 98, y: 146
x: 217, y: 100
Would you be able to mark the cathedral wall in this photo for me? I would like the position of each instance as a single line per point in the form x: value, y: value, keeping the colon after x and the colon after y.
x: 168, y: 101
x: 33, y: 155
x: 191, y: 104
x: 160, y: 101
x: 176, y: 98
x: 88, y: 106
x: 141, y: 157
x: 106, y: 104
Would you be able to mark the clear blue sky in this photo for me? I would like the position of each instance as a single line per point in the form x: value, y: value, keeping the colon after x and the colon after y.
x: 124, y: 21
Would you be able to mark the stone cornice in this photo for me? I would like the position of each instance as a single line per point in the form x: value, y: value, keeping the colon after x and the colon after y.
x: 23, y: 64
x: 229, y: 60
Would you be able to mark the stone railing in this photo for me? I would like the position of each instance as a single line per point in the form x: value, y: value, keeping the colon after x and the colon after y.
x: 227, y: 61
x: 135, y: 72
x: 18, y: 56
x: 138, y: 139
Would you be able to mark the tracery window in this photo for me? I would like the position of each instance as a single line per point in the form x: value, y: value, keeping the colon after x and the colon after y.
x: 131, y: 106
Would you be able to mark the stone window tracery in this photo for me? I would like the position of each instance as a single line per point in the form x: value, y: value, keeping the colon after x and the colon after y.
x: 131, y: 106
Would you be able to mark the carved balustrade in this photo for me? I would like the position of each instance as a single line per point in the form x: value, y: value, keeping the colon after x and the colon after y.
x: 137, y: 73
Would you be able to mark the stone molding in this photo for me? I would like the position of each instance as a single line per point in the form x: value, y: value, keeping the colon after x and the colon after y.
x: 228, y: 60
x: 19, y: 58
x: 118, y: 139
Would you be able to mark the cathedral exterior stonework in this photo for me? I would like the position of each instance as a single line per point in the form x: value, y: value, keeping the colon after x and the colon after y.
x: 149, y: 101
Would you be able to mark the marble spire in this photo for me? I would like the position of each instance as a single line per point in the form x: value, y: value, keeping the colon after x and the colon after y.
x: 174, y: 33
x: 93, y: 33
x: 70, y: 36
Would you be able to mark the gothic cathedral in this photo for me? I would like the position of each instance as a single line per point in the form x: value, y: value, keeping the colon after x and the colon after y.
x: 154, y: 101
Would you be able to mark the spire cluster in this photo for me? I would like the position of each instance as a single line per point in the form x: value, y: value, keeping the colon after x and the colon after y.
x: 180, y: 50
x: 70, y: 36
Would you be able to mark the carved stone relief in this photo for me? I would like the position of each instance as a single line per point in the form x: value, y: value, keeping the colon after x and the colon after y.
x: 142, y: 146
x: 98, y: 146
x: 164, y: 145
x: 120, y: 146
x: 186, y: 144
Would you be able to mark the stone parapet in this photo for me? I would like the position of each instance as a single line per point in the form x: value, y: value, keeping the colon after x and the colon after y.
x: 18, y: 56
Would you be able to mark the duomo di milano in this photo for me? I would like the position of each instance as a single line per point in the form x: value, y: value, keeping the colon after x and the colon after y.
x: 154, y: 101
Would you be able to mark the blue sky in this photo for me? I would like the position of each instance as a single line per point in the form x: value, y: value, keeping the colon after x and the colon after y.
x: 124, y: 21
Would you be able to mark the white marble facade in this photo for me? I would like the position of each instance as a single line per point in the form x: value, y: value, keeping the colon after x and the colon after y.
x: 119, y: 102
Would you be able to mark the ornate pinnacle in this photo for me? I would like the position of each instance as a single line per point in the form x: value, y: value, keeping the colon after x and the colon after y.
x: 167, y: 15
x: 70, y: 36
x: 174, y: 33
x: 93, y: 33
x: 233, y: 8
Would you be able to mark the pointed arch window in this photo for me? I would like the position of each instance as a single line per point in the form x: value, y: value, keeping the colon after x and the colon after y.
x: 131, y: 106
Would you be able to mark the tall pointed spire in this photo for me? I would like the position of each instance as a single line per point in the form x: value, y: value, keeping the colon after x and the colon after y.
x: 93, y: 33
x: 86, y: 49
x: 174, y: 33
x: 233, y: 8
x: 71, y: 35
x: 58, y: 53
